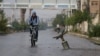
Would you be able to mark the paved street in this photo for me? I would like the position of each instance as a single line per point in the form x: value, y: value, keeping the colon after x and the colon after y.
x: 18, y: 44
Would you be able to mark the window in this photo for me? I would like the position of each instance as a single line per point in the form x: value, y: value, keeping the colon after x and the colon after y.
x: 94, y: 3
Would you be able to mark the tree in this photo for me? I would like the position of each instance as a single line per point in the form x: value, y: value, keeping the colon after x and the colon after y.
x: 60, y: 19
x: 70, y: 21
x: 1, y: 0
x: 78, y: 17
x: 3, y: 22
x: 95, y: 31
x: 75, y: 18
x: 42, y: 25
x: 18, y: 26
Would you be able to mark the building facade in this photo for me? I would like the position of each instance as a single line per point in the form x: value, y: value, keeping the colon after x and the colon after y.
x: 95, y: 10
x: 94, y: 6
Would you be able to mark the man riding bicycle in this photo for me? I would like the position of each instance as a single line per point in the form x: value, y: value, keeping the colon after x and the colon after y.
x: 34, y: 22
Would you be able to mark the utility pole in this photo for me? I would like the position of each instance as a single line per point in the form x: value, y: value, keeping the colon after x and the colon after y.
x: 42, y: 1
x: 13, y: 16
x: 99, y: 11
x: 88, y: 6
x: 89, y: 21
x: 56, y: 1
x: 70, y: 8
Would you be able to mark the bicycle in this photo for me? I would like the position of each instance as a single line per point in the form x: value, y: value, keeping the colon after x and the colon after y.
x: 33, y: 35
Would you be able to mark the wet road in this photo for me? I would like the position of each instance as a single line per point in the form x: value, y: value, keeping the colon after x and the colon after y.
x: 18, y: 44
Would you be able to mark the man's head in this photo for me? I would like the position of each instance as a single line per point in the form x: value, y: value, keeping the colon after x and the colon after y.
x: 33, y: 14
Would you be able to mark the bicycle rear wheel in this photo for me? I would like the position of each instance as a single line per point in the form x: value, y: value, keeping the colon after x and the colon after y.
x: 32, y: 41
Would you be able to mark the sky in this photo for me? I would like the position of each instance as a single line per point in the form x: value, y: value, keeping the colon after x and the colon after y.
x: 43, y: 14
x: 45, y: 1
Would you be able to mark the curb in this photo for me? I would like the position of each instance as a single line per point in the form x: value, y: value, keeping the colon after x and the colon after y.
x: 93, y: 40
x: 77, y: 34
